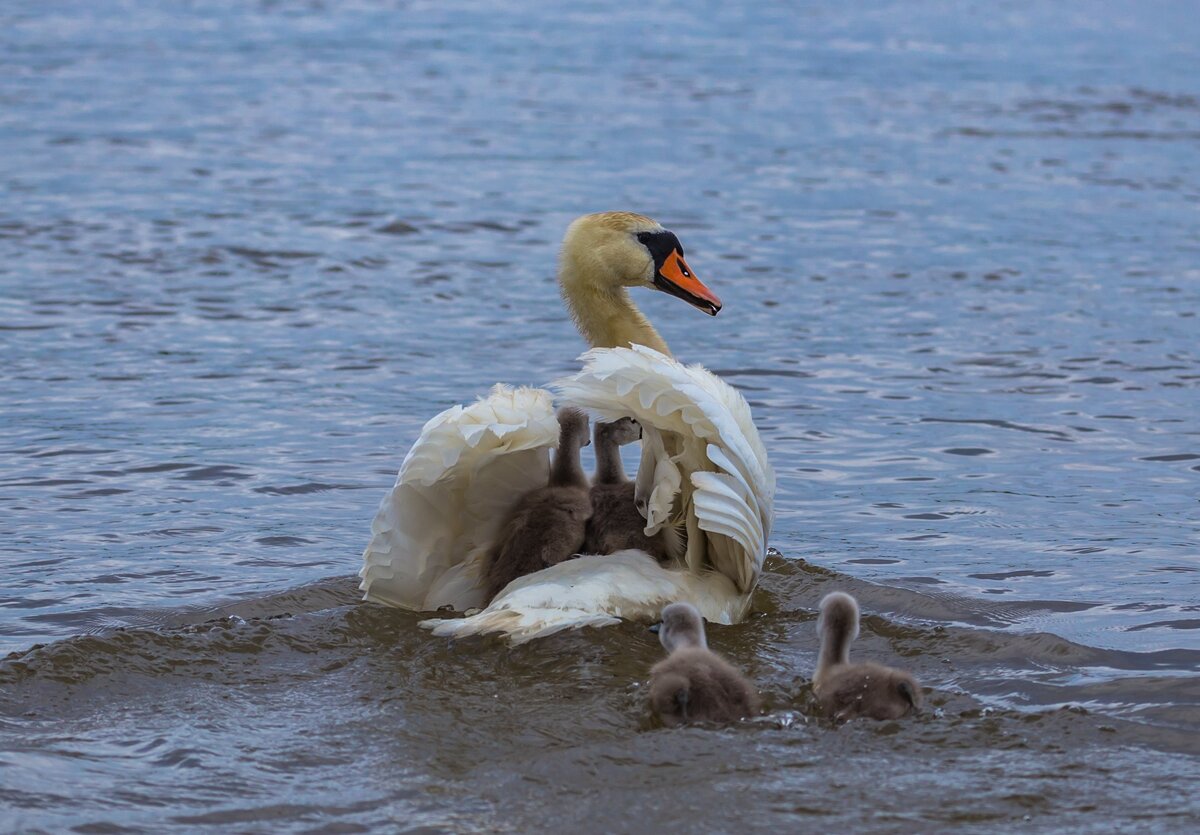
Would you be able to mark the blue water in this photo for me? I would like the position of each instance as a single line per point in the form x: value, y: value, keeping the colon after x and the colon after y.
x: 247, y: 249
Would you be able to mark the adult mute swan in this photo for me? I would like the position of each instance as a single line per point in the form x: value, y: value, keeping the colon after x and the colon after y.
x: 703, y: 468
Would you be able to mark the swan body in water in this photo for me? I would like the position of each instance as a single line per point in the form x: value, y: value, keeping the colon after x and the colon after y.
x: 703, y: 470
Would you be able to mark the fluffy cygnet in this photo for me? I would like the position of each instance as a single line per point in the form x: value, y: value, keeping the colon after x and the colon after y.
x: 547, y: 525
x: 847, y: 690
x: 693, y: 683
x: 616, y: 523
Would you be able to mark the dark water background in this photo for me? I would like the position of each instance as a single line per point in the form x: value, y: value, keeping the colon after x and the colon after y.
x: 247, y: 249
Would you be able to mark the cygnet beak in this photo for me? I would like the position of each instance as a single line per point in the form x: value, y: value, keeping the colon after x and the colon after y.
x: 655, y: 627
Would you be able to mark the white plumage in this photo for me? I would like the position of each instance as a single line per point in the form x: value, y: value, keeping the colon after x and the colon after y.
x: 703, y: 471
x: 594, y: 591
x: 470, y: 464
x: 705, y: 447
x: 432, y: 532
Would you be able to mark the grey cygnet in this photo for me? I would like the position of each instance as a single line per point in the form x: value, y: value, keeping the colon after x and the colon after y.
x: 547, y: 525
x: 693, y: 683
x: 616, y: 523
x: 847, y: 690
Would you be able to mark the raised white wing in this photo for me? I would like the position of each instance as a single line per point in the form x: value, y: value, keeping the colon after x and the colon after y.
x: 433, y: 530
x: 710, y: 466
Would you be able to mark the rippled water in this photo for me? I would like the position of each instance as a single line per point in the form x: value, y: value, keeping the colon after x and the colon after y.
x: 246, y: 250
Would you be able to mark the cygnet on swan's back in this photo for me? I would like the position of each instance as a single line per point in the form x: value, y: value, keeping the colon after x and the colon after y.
x: 616, y: 523
x: 547, y: 525
x: 847, y: 690
x: 694, y: 684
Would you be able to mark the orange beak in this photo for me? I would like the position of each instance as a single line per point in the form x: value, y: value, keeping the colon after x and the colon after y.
x: 676, y: 278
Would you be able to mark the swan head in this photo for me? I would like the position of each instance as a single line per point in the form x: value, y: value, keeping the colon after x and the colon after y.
x: 681, y: 627
x: 612, y: 250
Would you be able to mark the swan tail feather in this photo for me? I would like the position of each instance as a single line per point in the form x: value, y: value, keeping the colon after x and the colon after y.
x: 594, y: 590
x: 517, y: 627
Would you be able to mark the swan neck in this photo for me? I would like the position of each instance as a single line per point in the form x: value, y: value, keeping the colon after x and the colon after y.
x: 688, y: 639
x: 606, y: 316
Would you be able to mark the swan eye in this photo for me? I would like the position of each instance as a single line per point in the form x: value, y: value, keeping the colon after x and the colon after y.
x: 671, y: 272
x: 661, y: 245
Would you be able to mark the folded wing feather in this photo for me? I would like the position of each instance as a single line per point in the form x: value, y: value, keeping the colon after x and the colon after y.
x: 594, y: 591
x: 434, y: 528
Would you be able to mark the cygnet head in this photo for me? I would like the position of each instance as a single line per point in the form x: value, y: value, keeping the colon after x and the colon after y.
x: 573, y: 424
x: 619, y: 432
x: 839, y: 615
x: 681, y: 627
x: 610, y: 250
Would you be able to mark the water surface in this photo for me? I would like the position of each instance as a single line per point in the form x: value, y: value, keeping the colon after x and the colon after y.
x: 246, y: 250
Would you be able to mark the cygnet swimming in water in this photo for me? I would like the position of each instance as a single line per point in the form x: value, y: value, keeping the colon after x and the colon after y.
x: 847, y: 690
x: 693, y: 683
x: 616, y: 523
x: 547, y: 525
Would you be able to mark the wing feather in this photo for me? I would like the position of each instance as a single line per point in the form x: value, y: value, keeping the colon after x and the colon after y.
x: 435, y: 526
x: 700, y: 431
x: 704, y: 470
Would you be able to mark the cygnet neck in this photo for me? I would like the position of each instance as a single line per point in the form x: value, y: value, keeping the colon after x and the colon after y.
x: 567, y: 471
x: 838, y: 626
x: 835, y: 649
x: 685, y: 638
x: 609, y: 468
